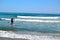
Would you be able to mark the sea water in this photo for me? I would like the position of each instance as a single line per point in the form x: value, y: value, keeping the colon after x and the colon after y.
x: 31, y: 26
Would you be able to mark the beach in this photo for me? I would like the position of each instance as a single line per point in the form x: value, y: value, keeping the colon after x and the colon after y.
x: 29, y: 19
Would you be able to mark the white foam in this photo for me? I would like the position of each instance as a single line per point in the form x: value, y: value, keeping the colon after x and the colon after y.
x: 37, y: 17
x: 30, y: 20
x: 5, y: 19
x: 36, y: 20
x: 28, y: 36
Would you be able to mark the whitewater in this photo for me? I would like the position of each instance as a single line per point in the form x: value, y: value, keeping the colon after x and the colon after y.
x: 34, y: 19
x: 31, y: 35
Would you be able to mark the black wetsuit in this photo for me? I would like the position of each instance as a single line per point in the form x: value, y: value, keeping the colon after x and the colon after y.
x: 11, y: 21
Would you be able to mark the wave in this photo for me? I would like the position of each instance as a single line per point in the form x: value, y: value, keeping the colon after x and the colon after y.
x: 11, y: 34
x: 30, y: 35
x: 38, y: 17
x: 30, y: 20
x: 36, y: 20
x: 5, y: 19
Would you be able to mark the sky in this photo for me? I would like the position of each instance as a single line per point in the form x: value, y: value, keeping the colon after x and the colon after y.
x: 30, y: 6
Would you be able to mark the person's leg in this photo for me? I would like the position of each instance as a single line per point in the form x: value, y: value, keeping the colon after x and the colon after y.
x: 11, y: 22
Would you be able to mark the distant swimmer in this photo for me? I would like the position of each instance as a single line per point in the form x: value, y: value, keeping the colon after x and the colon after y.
x: 12, y: 21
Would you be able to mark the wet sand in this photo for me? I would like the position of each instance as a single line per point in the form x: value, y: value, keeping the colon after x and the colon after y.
x: 5, y: 38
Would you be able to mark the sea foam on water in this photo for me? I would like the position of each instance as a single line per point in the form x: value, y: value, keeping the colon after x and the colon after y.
x: 30, y: 20
x: 41, y: 36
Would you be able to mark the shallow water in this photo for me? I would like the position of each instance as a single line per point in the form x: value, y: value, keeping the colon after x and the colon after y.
x: 31, y: 26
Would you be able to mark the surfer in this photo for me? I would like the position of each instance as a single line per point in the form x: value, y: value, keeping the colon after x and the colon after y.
x: 12, y: 21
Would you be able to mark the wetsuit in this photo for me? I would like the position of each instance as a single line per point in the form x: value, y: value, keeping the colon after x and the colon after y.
x: 11, y: 21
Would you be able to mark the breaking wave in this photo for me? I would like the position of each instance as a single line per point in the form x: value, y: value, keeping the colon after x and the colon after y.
x: 30, y: 20
x: 30, y: 35
x: 38, y: 17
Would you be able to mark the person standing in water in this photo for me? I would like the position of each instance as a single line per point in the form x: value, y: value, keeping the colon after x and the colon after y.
x: 12, y: 21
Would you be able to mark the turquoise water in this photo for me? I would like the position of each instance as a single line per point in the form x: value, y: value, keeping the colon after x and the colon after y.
x: 48, y: 27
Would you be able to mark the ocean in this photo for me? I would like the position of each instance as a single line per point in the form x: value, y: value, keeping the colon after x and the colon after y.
x: 30, y: 26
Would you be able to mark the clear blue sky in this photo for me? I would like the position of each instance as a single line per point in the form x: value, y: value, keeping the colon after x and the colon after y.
x: 33, y: 6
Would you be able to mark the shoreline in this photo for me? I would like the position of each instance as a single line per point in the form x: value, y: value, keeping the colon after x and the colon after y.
x: 6, y: 35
